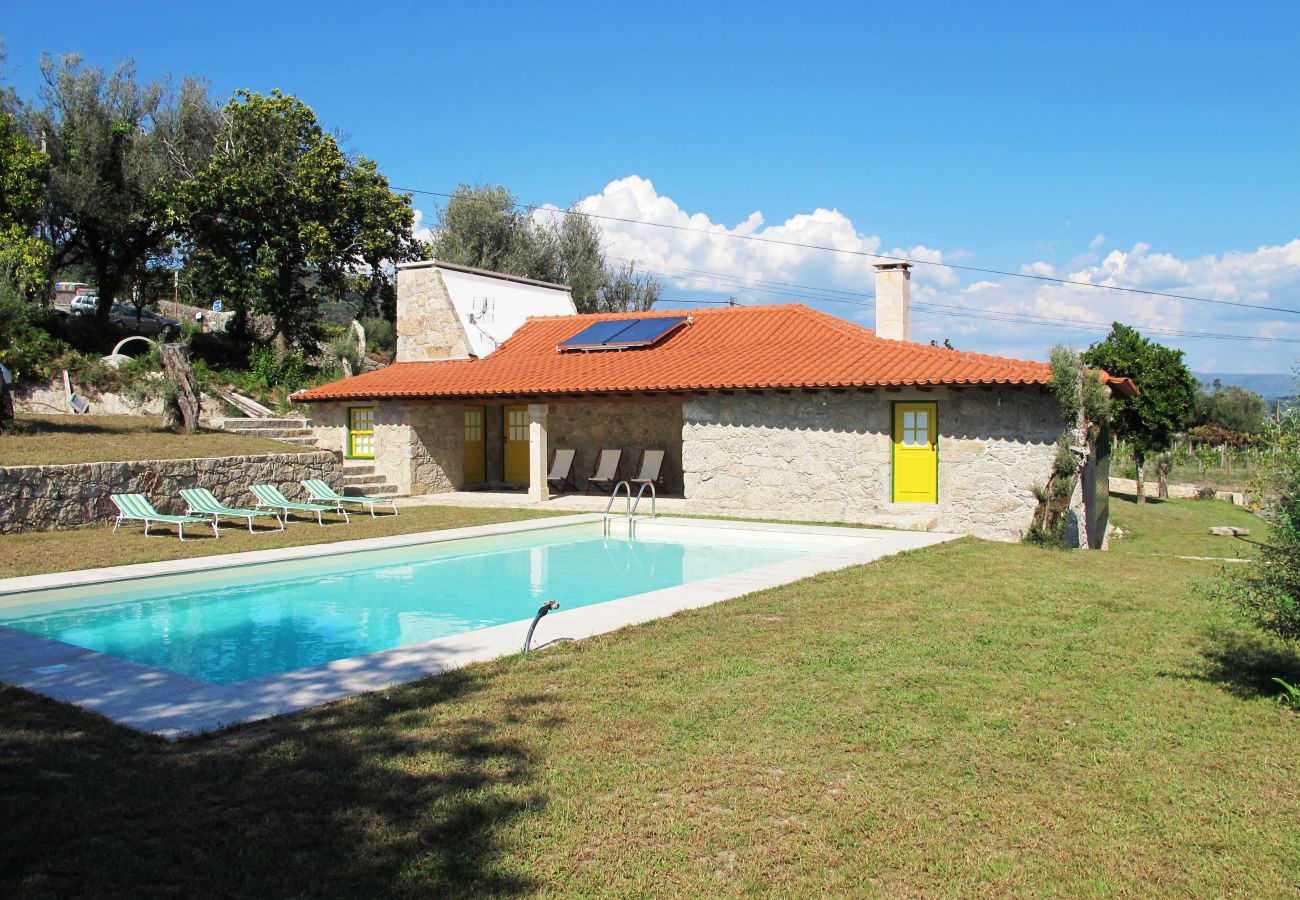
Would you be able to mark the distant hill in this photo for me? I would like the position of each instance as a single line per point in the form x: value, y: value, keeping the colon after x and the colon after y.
x: 1270, y: 386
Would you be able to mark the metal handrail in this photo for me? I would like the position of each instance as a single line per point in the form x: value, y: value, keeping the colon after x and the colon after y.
x: 654, y: 500
x: 612, y: 497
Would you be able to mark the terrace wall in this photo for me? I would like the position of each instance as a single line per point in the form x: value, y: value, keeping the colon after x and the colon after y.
x: 37, y: 498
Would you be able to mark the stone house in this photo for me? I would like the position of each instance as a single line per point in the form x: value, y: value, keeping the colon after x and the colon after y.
x: 766, y: 411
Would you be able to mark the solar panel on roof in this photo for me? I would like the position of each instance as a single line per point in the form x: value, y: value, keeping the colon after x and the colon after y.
x: 620, y: 334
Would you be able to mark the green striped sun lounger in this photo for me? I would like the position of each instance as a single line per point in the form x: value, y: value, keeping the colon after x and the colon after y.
x: 270, y: 496
x: 137, y: 508
x: 319, y: 490
x: 201, y: 502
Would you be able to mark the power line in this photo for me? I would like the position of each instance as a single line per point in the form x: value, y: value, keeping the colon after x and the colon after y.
x: 810, y: 292
x: 884, y: 256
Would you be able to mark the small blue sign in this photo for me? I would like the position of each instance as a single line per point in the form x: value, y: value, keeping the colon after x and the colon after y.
x: 216, y: 306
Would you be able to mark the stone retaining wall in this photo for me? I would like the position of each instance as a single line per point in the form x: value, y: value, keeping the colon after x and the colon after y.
x: 35, y: 498
x: 1151, y: 488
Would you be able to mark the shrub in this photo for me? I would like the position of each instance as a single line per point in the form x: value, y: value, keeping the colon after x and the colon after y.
x: 1268, y: 594
x: 381, y: 336
x: 275, y: 371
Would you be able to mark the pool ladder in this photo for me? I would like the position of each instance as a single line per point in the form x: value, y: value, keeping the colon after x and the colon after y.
x: 632, y: 505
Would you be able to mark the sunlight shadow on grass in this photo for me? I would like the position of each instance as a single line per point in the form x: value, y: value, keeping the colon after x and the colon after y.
x: 1245, y: 664
x: 376, y: 796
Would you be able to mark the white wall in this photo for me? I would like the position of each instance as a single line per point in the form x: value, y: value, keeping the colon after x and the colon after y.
x: 512, y: 304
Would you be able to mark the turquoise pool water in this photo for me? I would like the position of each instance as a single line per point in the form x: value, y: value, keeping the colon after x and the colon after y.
x: 232, y: 625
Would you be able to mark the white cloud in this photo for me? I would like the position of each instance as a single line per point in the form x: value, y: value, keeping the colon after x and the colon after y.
x: 421, y: 231
x: 1268, y: 275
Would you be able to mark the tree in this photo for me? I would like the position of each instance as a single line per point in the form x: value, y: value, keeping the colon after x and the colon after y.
x: 1166, y: 398
x: 118, y: 150
x: 24, y: 257
x: 280, y: 218
x: 483, y: 227
x: 1230, y: 407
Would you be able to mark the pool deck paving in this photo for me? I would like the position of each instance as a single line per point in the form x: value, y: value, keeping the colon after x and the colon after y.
x: 172, y: 705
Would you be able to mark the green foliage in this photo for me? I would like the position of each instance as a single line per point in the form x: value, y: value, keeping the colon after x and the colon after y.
x: 381, y: 334
x: 482, y: 226
x: 1065, y: 381
x: 1066, y: 464
x: 280, y: 219
x: 1230, y: 408
x: 27, y: 346
x: 24, y: 169
x: 1290, y: 695
x: 272, y: 370
x: 1149, y: 421
x: 1095, y: 398
x: 1268, y: 594
x: 118, y: 152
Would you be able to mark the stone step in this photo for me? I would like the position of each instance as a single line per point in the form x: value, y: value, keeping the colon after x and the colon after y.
x: 300, y: 441
x: 355, y: 480
x: 231, y: 424
x: 278, y: 434
x: 358, y: 470
x: 369, y: 490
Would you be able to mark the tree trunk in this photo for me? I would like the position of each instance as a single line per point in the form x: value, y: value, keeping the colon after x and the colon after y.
x: 1141, y: 497
x: 1162, y: 483
x: 183, y: 408
x: 6, y: 406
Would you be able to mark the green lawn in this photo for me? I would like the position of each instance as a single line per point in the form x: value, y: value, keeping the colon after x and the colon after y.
x: 973, y: 718
x: 39, y: 552
x: 58, y: 440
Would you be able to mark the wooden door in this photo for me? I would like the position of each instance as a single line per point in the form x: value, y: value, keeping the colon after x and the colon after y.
x: 916, y: 453
x: 475, y: 456
x: 516, y: 450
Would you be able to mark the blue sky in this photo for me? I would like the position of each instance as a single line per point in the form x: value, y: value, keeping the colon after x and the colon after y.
x: 1151, y: 145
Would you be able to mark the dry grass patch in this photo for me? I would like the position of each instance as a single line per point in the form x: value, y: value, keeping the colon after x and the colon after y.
x: 60, y: 440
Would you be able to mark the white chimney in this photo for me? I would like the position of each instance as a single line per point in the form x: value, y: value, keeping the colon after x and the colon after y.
x: 894, y: 301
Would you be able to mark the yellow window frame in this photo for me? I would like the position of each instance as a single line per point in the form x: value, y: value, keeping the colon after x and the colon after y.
x: 361, y: 432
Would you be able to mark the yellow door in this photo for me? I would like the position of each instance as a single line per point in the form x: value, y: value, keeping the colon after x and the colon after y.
x: 916, y: 453
x: 361, y: 432
x: 475, y: 461
x: 516, y: 454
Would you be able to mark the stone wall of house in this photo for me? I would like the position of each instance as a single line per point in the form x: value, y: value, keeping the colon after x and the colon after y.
x: 418, y: 446
x: 827, y: 457
x: 427, y: 324
x: 36, y: 498
x: 630, y: 427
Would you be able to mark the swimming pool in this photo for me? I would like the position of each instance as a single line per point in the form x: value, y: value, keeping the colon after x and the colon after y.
x: 229, y: 626
x: 190, y: 645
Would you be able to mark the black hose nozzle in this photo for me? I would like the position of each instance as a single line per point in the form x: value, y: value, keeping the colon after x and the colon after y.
x: 546, y: 607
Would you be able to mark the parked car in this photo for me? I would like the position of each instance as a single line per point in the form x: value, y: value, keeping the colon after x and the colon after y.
x: 149, y: 323
x: 85, y: 304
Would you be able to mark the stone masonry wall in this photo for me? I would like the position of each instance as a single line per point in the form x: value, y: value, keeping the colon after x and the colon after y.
x: 44, y: 497
x: 827, y: 457
x: 427, y: 324
x: 630, y: 427
x: 418, y: 447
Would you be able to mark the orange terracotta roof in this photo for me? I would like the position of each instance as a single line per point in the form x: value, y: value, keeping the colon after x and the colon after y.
x: 756, y: 347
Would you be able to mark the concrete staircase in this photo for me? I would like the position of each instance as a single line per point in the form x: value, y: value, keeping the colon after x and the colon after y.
x: 290, y: 431
x: 363, y: 480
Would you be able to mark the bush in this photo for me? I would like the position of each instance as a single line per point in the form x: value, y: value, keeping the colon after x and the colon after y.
x: 1268, y: 593
x: 28, y: 346
x: 274, y: 371
x: 381, y: 335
